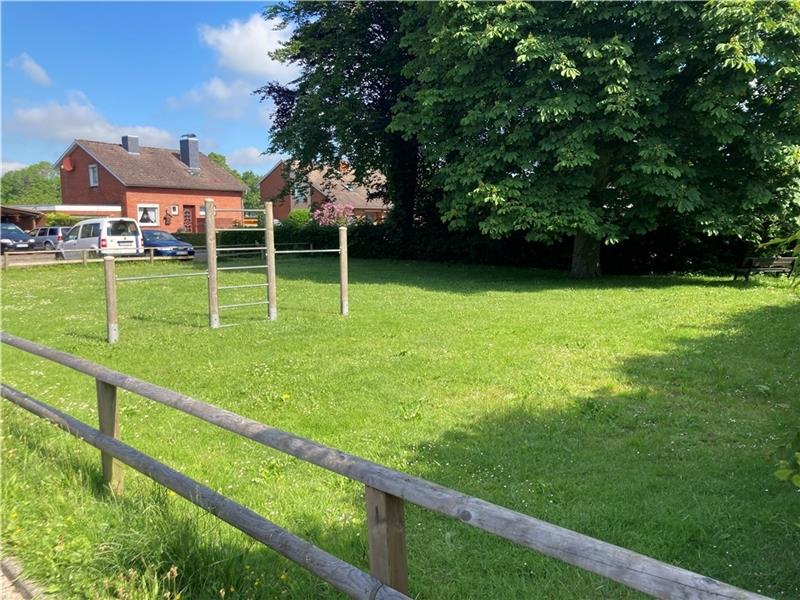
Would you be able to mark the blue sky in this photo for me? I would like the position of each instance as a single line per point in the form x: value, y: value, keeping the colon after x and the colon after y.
x: 98, y: 70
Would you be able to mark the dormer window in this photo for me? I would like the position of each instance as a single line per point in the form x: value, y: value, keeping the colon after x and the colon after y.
x: 93, y: 177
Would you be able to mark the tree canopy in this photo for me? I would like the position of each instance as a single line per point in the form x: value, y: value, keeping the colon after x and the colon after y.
x: 339, y: 108
x: 593, y: 120
x: 37, y: 184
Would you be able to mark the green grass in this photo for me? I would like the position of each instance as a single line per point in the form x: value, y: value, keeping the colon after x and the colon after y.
x: 641, y: 411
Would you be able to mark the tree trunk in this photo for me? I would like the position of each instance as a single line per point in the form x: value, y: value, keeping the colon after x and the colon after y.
x: 401, y: 182
x: 585, y: 256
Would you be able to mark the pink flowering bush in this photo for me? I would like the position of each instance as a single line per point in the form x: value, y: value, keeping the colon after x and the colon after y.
x: 330, y: 214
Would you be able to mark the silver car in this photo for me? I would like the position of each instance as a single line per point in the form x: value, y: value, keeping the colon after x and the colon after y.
x: 48, y: 238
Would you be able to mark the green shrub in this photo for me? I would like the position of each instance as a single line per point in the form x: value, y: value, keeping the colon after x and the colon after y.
x: 58, y: 218
x: 298, y: 218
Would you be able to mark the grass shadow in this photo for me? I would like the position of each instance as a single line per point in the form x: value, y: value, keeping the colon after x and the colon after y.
x: 676, y: 467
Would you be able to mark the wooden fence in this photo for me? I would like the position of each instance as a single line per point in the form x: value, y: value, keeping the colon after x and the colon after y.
x: 386, y: 491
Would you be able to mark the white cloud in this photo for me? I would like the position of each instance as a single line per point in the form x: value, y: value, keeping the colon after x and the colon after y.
x: 223, y: 99
x: 251, y: 157
x: 11, y: 165
x: 31, y: 68
x: 78, y: 118
x: 244, y: 46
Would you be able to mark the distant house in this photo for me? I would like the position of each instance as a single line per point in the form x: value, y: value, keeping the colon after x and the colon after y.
x: 317, y: 191
x: 159, y: 187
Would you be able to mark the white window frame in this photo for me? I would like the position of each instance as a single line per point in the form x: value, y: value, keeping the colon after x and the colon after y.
x: 157, y: 218
x: 94, y: 176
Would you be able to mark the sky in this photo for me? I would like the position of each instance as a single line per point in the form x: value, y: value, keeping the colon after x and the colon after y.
x: 100, y: 70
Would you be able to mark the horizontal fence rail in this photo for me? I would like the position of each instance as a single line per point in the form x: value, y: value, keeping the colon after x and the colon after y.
x: 340, y: 574
x: 387, y: 488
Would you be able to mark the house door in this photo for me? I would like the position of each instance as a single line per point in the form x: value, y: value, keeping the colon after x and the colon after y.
x: 189, y: 219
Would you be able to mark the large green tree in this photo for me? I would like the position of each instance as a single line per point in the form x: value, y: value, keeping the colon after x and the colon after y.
x: 595, y: 120
x: 339, y: 108
x: 252, y: 197
x: 36, y: 184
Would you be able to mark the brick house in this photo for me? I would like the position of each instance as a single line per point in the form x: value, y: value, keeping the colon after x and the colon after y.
x: 159, y: 187
x: 317, y: 191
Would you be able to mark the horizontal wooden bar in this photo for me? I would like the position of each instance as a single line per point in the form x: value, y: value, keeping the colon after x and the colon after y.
x: 635, y: 570
x: 170, y: 276
x: 341, y: 575
x: 239, y: 210
x: 244, y: 304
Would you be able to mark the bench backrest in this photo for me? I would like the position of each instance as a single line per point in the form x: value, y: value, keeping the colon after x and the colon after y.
x: 775, y: 262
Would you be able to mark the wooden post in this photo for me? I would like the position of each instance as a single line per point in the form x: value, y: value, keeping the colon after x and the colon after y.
x: 152, y: 252
x: 110, y: 276
x: 211, y: 251
x: 272, y: 292
x: 5, y: 261
x: 85, y: 256
x: 386, y: 535
x: 108, y: 416
x: 343, y: 283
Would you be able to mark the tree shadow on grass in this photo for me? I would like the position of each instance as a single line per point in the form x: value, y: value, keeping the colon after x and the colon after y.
x: 480, y: 279
x: 676, y: 467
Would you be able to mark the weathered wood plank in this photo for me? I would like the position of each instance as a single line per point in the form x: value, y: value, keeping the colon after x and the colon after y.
x: 386, y: 536
x: 341, y: 575
x: 110, y: 278
x: 344, y: 292
x: 272, y: 284
x: 211, y: 250
x: 635, y: 570
x: 108, y: 418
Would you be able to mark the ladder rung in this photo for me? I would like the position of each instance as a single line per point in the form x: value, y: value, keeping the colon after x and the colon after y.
x: 238, y: 268
x: 243, y: 304
x: 238, y: 287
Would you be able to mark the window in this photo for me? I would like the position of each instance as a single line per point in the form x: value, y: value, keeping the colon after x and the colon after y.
x: 90, y: 230
x: 300, y: 193
x: 121, y: 229
x: 93, y: 178
x: 72, y: 234
x: 148, y: 214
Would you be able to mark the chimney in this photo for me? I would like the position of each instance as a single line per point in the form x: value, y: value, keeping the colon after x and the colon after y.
x: 131, y: 143
x: 190, y: 151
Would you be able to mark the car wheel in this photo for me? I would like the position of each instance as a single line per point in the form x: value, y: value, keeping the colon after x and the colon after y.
x: 48, y: 245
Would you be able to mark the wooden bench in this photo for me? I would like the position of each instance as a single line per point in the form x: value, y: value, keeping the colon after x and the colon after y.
x: 775, y: 264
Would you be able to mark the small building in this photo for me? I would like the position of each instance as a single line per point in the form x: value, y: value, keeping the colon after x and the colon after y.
x: 318, y: 190
x: 21, y: 216
x: 159, y: 187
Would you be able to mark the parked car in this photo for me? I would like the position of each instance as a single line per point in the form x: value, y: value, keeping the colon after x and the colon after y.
x: 106, y: 236
x: 49, y: 237
x: 166, y: 244
x: 13, y: 238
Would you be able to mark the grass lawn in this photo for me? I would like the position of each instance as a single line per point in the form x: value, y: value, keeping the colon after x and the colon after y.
x: 641, y: 411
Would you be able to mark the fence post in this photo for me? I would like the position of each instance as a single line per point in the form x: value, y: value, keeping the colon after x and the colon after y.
x: 386, y: 536
x: 5, y: 261
x: 343, y: 283
x: 272, y: 292
x: 152, y: 255
x: 85, y: 256
x: 211, y: 251
x: 110, y: 276
x: 108, y: 416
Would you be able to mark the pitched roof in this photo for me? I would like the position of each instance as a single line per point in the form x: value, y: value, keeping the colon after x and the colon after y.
x: 159, y: 167
x: 341, y: 188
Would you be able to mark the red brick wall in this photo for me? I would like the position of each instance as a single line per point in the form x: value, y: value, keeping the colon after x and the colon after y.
x: 185, y: 199
x: 75, y: 188
x: 270, y: 189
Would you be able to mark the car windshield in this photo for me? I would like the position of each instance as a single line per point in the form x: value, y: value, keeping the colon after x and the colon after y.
x: 158, y: 236
x: 11, y: 228
x: 121, y: 228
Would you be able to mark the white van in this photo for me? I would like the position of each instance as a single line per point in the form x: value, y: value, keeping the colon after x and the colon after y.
x: 109, y: 236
